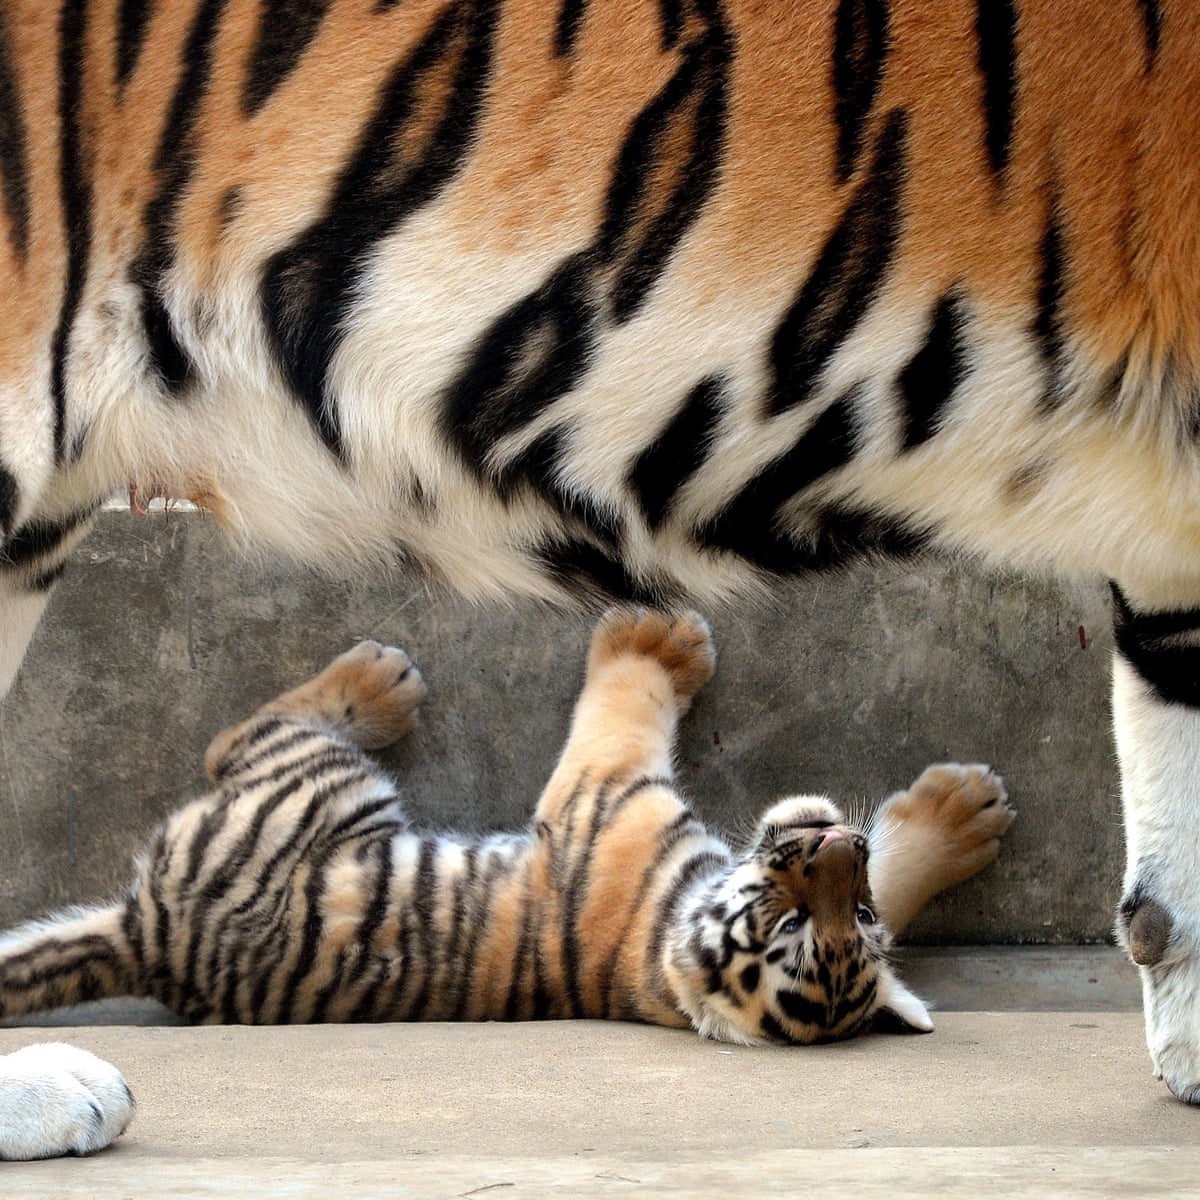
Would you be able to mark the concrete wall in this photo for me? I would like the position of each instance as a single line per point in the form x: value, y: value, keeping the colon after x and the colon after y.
x: 159, y: 636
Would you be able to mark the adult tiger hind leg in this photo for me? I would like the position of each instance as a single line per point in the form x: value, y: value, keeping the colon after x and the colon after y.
x: 369, y: 695
x: 1156, y: 713
x: 32, y: 559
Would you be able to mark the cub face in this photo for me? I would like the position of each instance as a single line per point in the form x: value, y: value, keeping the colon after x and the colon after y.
x: 790, y: 949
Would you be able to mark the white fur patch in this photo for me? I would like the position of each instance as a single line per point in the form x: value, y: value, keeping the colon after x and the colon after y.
x: 57, y: 1099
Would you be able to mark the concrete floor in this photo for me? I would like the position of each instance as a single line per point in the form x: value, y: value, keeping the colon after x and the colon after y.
x: 990, y: 1104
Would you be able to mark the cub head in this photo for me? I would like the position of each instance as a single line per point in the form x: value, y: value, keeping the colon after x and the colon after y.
x: 787, y: 947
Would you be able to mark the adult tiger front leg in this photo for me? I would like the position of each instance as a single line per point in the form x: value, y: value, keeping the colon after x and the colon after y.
x: 1156, y: 710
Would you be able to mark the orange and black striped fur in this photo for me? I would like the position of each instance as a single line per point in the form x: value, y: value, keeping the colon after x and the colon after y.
x: 295, y: 892
x: 640, y: 298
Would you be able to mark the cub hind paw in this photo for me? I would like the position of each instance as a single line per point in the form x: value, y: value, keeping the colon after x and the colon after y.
x: 960, y: 809
x: 681, y: 643
x: 371, y: 693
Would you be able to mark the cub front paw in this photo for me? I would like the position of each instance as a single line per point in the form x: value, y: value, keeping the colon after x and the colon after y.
x: 681, y: 643
x: 371, y: 693
x: 57, y: 1099
x: 961, y: 810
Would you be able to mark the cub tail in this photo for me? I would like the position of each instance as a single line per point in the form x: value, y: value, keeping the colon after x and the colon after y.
x: 81, y: 954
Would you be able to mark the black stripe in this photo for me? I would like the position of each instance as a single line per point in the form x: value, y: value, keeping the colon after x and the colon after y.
x: 379, y: 895
x: 310, y: 938
x: 327, y: 754
x: 771, y: 1029
x: 671, y: 15
x: 38, y: 540
x: 14, y: 147
x: 75, y: 185
x: 478, y: 920
x: 850, y: 1002
x: 642, y: 227
x: 586, y: 570
x: 932, y: 375
x: 286, y: 29
x: 174, y: 162
x: 132, y: 19
x: 533, y: 354
x: 662, y: 469
x: 801, y: 1009
x: 838, y: 536
x: 10, y: 496
x: 454, y: 963
x: 527, y: 948
x: 1152, y: 20
x: 424, y: 906
x: 749, y: 523
x: 538, y: 467
x: 1048, y: 324
x: 848, y: 273
x: 543, y: 346
x: 309, y: 288
x: 43, y: 581
x: 235, y: 862
x: 274, y: 905
x: 1163, y: 648
x: 566, y: 31
x: 382, y: 998
x: 996, y: 29
x: 209, y: 827
x: 694, y: 867
x: 369, y: 817
x: 88, y: 945
x: 132, y: 931
x: 860, y: 47
x: 574, y: 894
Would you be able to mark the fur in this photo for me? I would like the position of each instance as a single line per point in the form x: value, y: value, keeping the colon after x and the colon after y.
x: 296, y: 892
x: 610, y: 297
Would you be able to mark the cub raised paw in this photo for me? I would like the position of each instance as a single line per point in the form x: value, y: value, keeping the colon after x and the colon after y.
x: 57, y: 1099
x: 681, y: 643
x: 959, y: 811
x: 370, y: 693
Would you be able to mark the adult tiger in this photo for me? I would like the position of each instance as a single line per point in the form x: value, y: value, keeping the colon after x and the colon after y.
x: 638, y: 298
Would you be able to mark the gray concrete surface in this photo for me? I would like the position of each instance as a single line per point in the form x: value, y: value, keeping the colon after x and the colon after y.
x: 160, y: 635
x: 991, y: 1104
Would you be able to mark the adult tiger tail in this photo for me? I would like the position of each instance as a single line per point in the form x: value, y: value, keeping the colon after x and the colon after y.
x: 295, y: 892
x: 633, y: 298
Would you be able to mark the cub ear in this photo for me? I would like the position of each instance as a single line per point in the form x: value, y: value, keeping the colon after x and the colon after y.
x: 900, y: 1011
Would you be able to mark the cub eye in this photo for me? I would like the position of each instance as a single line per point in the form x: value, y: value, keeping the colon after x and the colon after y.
x: 793, y: 923
x: 865, y: 915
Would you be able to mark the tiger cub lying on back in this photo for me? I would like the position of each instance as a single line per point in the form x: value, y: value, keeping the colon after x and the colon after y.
x: 295, y: 892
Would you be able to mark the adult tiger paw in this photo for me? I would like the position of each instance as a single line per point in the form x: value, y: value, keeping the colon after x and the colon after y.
x: 57, y: 1099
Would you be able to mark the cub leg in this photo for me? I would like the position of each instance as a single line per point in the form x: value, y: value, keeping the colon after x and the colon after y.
x: 944, y: 829
x: 369, y: 695
x: 643, y: 670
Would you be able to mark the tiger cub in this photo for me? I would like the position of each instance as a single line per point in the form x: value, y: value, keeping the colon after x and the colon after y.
x: 296, y: 891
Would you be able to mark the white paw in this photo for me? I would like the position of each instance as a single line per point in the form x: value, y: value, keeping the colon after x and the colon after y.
x: 57, y: 1099
x: 1171, y: 999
